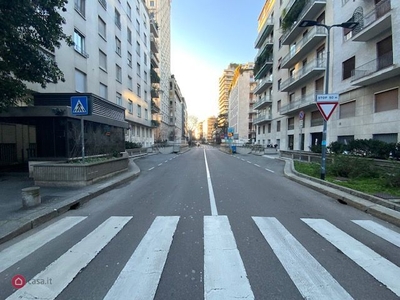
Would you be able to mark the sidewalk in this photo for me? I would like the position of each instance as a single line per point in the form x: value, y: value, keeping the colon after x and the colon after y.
x: 14, y: 220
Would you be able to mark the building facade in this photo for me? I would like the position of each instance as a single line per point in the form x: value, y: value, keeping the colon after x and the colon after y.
x: 160, y: 11
x: 223, y: 103
x: 291, y: 63
x: 241, y: 112
x: 208, y: 129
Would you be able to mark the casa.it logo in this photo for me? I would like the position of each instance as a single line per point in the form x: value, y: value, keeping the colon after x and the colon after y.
x: 18, y: 281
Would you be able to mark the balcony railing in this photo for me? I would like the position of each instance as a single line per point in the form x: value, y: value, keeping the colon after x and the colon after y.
x: 304, y: 45
x: 366, y: 30
x: 303, y: 73
x: 260, y: 103
x: 373, y: 66
x: 301, y: 103
x: 310, y: 9
x: 264, y: 32
x: 262, y: 118
x: 263, y: 84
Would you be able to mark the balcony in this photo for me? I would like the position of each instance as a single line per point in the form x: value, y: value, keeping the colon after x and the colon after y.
x: 262, y: 119
x: 376, y: 70
x: 304, y: 74
x: 310, y: 12
x: 154, y: 61
x: 154, y: 28
x: 153, y: 45
x: 266, y: 66
x: 263, y: 102
x: 264, y: 32
x: 374, y: 23
x: 155, y: 109
x: 266, y: 47
x: 303, y: 103
x: 315, y: 36
x: 263, y: 85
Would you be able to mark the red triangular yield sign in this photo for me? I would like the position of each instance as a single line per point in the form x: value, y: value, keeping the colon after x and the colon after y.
x: 326, y: 108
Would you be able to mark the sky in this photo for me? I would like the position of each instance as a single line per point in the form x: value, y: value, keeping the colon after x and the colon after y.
x: 206, y: 36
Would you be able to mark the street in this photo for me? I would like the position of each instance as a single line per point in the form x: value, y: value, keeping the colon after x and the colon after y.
x: 207, y: 225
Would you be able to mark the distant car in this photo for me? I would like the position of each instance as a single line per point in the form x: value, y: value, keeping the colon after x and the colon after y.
x: 198, y: 144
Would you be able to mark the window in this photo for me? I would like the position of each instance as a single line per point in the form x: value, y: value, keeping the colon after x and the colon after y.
x: 347, y: 110
x: 138, y: 129
x: 144, y: 38
x: 259, y: 129
x: 130, y: 86
x: 137, y: 26
x: 117, y: 19
x: 280, y: 43
x: 80, y: 81
x: 388, y: 100
x: 316, y: 118
x: 278, y: 107
x: 138, y: 48
x: 385, y: 53
x: 102, y: 60
x: 144, y: 21
x: 138, y: 69
x: 385, y: 137
x: 319, y: 85
x: 348, y: 67
x: 79, y: 42
x: 151, y: 3
x: 129, y: 11
x: 102, y: 28
x: 263, y: 129
x: 118, y: 99
x: 129, y: 59
x: 103, y: 91
x: 130, y: 107
x: 145, y: 76
x: 103, y: 3
x: 278, y: 126
x: 279, y: 84
x: 80, y: 6
x: 139, y: 111
x: 345, y: 139
x: 118, y: 46
x: 145, y: 114
x: 145, y: 59
x: 269, y: 127
x: 320, y: 55
x: 118, y: 73
x: 129, y: 36
x: 138, y: 90
x: 290, y: 123
x: 145, y: 96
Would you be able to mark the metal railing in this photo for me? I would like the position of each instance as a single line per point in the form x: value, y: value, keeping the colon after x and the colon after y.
x: 372, y: 66
x: 301, y: 72
x: 263, y: 100
x: 381, y: 9
x: 301, y: 102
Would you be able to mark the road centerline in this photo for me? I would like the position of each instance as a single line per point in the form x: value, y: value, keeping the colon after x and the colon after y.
x: 213, y: 205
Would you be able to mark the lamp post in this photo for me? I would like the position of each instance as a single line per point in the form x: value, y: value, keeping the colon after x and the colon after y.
x: 310, y: 23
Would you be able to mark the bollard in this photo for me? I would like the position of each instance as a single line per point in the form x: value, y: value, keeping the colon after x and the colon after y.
x: 31, y: 196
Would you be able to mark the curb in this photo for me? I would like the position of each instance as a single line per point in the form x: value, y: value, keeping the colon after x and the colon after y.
x: 353, y: 198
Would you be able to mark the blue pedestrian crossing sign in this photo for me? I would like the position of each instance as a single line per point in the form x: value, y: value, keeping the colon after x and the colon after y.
x: 79, y: 105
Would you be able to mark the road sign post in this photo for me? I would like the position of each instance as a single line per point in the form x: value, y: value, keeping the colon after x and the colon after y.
x: 80, y: 107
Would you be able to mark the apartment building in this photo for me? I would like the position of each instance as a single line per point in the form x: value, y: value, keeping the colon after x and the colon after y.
x: 160, y: 11
x: 177, y: 112
x: 208, y: 129
x: 110, y: 64
x: 223, y: 103
x: 290, y: 69
x: 241, y: 112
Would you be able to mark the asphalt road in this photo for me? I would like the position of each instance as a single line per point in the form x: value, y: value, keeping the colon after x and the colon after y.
x: 207, y: 225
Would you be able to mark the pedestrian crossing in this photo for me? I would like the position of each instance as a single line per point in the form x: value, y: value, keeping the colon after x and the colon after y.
x: 225, y: 274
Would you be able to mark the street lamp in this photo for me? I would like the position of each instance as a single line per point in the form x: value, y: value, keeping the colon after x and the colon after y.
x: 310, y: 23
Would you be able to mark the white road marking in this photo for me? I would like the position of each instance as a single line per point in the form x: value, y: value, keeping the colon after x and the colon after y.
x: 381, y: 231
x: 224, y: 273
x: 257, y: 165
x: 249, y: 162
x: 160, y: 164
x: 243, y: 159
x: 310, y: 278
x: 141, y: 274
x: 213, y: 205
x: 379, y: 267
x: 151, y: 168
x: 166, y: 161
x: 22, y: 249
x: 63, y: 270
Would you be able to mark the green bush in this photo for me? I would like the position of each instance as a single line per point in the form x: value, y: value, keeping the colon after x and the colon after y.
x: 352, y: 167
x: 316, y: 148
x: 366, y: 148
x: 132, y: 145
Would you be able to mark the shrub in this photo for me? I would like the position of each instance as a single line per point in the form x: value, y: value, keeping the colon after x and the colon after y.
x: 132, y: 145
x: 352, y: 167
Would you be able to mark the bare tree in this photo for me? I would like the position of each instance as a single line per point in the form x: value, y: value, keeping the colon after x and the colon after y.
x: 191, y: 125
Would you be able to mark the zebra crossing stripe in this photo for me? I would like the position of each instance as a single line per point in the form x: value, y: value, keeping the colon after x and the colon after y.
x: 381, y: 231
x: 140, y: 276
x: 22, y: 249
x: 311, y: 279
x: 224, y: 273
x: 379, y: 267
x: 66, y: 267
